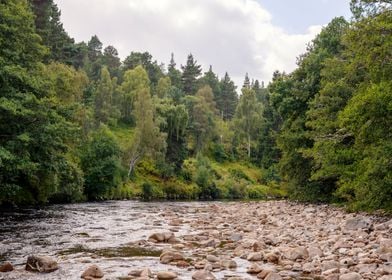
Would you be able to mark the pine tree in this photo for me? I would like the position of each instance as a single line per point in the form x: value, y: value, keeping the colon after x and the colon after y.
x: 174, y: 73
x: 190, y: 73
x: 227, y: 100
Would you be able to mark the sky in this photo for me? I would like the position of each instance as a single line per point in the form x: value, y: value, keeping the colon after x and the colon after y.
x: 238, y: 36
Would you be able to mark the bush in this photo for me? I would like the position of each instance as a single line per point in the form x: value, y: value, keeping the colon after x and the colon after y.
x: 239, y: 175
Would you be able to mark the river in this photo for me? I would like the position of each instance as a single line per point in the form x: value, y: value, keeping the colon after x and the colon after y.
x: 114, y: 236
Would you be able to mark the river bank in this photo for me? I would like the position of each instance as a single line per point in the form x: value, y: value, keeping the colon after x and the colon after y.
x: 229, y: 239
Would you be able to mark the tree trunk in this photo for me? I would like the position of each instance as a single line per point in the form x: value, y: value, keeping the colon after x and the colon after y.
x: 132, y: 164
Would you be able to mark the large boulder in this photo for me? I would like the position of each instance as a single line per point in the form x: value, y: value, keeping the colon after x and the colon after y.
x: 92, y: 272
x: 41, y: 264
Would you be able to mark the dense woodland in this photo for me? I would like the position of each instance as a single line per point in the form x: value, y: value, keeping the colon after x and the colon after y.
x: 77, y: 123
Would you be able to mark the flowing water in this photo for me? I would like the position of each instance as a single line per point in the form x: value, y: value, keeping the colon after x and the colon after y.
x: 78, y: 235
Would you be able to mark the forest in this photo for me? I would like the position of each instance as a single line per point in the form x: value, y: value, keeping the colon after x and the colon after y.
x: 77, y: 123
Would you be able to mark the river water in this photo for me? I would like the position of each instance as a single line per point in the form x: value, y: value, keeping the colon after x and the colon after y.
x: 78, y: 235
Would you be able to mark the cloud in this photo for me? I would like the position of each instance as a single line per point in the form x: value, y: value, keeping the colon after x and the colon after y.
x: 236, y: 36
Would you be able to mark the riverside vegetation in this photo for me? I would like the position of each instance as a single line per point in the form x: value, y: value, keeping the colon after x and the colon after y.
x: 77, y: 123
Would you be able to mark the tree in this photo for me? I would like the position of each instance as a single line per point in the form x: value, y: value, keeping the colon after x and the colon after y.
x: 247, y: 84
x: 103, y: 109
x: 173, y: 73
x: 248, y: 117
x: 203, y: 117
x: 227, y: 99
x: 51, y: 30
x: 211, y: 79
x: 145, y: 60
x: 111, y: 60
x: 101, y: 164
x: 133, y: 81
x: 291, y: 96
x: 174, y: 123
x: 148, y: 141
x: 34, y: 164
x: 163, y: 87
x: 190, y: 73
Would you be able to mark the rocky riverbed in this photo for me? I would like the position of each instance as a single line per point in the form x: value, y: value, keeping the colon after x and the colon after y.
x: 214, y: 240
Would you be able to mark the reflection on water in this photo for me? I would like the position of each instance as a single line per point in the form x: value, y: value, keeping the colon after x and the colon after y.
x: 78, y: 235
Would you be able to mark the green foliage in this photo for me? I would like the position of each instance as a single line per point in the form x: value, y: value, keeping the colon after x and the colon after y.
x: 226, y: 98
x: 100, y: 161
x: 248, y: 118
x: 190, y: 72
x: 73, y: 118
x: 34, y: 129
x: 133, y: 81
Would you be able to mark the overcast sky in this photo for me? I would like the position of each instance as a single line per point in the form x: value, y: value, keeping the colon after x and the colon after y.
x: 237, y: 36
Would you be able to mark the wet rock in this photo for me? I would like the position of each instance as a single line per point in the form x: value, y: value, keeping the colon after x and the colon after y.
x: 166, y: 275
x: 272, y: 258
x: 146, y: 272
x: 162, y: 237
x: 231, y: 264
x: 41, y: 264
x: 212, y: 258
x: 6, y: 267
x: 203, y: 275
x: 255, y: 257
x: 254, y: 269
x: 273, y: 276
x: 350, y: 276
x: 358, y: 223
x: 92, y: 272
x: 264, y: 273
x: 170, y: 256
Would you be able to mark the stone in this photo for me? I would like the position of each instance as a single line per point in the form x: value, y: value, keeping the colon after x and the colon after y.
x: 350, y: 276
x: 385, y: 246
x: 357, y: 223
x: 6, y: 267
x: 386, y: 277
x: 146, y: 272
x: 203, y: 275
x: 272, y: 258
x: 162, y: 237
x: 212, y: 258
x: 264, y: 273
x: 273, y: 276
x: 229, y: 264
x: 170, y: 256
x: 255, y: 257
x: 235, y: 237
x: 254, y: 269
x: 166, y: 275
x: 328, y: 265
x: 41, y: 264
x: 92, y: 272
x: 297, y: 253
